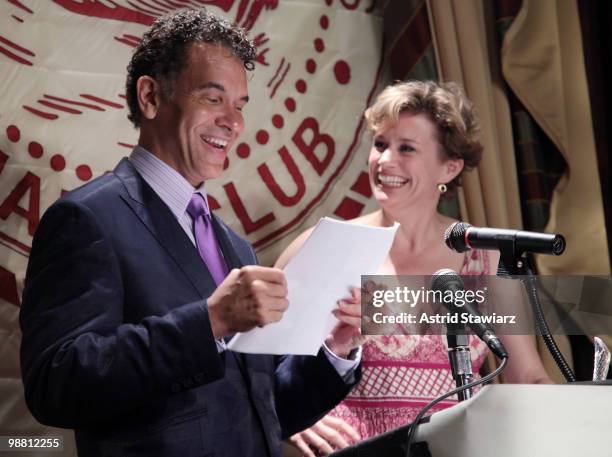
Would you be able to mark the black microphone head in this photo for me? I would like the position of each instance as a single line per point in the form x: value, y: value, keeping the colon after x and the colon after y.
x: 454, y: 236
x: 446, y: 279
x: 558, y: 245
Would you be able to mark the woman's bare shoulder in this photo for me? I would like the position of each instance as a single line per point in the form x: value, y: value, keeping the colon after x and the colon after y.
x: 367, y: 219
x: 293, y: 248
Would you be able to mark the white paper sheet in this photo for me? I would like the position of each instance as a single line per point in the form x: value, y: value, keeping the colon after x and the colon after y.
x: 330, y: 262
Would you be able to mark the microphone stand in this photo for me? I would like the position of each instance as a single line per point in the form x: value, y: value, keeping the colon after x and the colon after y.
x: 531, y: 287
x: 460, y: 360
x: 513, y: 263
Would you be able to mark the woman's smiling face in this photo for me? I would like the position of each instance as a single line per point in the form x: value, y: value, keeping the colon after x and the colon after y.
x: 406, y: 163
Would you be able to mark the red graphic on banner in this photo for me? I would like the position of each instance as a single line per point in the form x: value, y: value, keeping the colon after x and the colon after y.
x: 35, y: 149
x: 59, y: 107
x: 362, y: 185
x: 350, y: 6
x: 294, y: 172
x: 262, y: 137
x: 301, y: 86
x: 6, y: 43
x: 145, y: 7
x: 10, y: 203
x: 29, y: 183
x: 144, y: 13
x: 349, y: 208
x: 290, y: 104
x: 15, y: 245
x: 101, y: 100
x: 258, y: 41
x: 55, y: 103
x: 8, y: 287
x: 248, y: 224
x: 342, y: 71
x: 298, y: 217
x: 324, y: 22
x: 253, y: 14
x: 39, y: 113
x: 18, y: 4
x: 311, y: 66
x: 311, y: 124
x: 130, y: 40
x: 57, y: 162
x: 83, y: 172
x: 13, y: 133
x: 243, y: 150
x: 3, y: 159
x: 74, y: 102
x: 319, y: 45
x: 280, y: 66
x: 213, y: 204
x: 278, y: 121
x: 96, y: 8
x: 282, y: 78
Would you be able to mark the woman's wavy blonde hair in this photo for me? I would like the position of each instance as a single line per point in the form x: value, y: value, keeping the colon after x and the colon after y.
x: 446, y: 105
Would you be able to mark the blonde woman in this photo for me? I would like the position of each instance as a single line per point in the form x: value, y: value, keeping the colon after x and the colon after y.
x: 425, y: 136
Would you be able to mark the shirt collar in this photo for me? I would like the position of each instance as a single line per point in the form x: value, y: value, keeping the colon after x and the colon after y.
x: 173, y: 189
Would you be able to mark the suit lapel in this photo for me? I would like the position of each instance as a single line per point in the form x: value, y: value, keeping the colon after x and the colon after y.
x: 234, y: 256
x: 162, y: 224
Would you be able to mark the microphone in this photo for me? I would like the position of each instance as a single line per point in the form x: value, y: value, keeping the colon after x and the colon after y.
x: 447, y: 279
x: 461, y: 236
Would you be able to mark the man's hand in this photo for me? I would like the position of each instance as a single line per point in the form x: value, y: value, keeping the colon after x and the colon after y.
x: 248, y: 297
x: 324, y: 437
x: 346, y: 335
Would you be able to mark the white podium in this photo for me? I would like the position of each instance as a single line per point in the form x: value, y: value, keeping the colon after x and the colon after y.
x: 524, y: 420
x: 508, y: 420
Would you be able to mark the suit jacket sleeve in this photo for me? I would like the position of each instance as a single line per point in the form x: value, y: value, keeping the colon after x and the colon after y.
x: 306, y: 389
x: 80, y: 362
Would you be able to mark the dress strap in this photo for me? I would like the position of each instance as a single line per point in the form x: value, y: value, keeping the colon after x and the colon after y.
x: 476, y: 262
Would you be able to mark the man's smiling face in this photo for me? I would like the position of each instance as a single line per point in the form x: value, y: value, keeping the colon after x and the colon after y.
x: 196, y: 126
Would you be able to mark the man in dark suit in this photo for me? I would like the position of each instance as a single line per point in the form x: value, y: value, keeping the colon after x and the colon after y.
x: 132, y: 286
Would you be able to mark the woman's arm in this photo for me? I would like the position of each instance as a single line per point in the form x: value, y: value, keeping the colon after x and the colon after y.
x: 524, y: 364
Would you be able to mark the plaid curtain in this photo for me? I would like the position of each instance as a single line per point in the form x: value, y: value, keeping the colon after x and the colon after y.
x: 539, y: 163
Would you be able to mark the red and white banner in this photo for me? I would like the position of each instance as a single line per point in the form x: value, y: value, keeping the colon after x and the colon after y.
x: 63, y: 122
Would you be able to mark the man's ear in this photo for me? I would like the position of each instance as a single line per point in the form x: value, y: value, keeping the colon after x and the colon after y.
x: 149, y: 96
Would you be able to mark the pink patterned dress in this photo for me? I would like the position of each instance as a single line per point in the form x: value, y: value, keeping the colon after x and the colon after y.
x: 401, y: 374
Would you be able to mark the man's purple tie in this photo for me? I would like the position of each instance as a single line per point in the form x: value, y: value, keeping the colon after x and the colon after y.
x: 207, y: 244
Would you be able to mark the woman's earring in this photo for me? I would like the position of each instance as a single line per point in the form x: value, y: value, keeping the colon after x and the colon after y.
x: 442, y: 188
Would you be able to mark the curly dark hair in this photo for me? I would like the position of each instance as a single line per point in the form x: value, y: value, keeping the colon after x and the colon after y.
x: 162, y: 52
x: 446, y: 105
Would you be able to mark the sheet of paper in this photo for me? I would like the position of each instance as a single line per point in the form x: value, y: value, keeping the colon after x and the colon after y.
x: 330, y: 262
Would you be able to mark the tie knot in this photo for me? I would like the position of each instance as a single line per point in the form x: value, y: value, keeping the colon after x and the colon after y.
x: 196, y: 207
